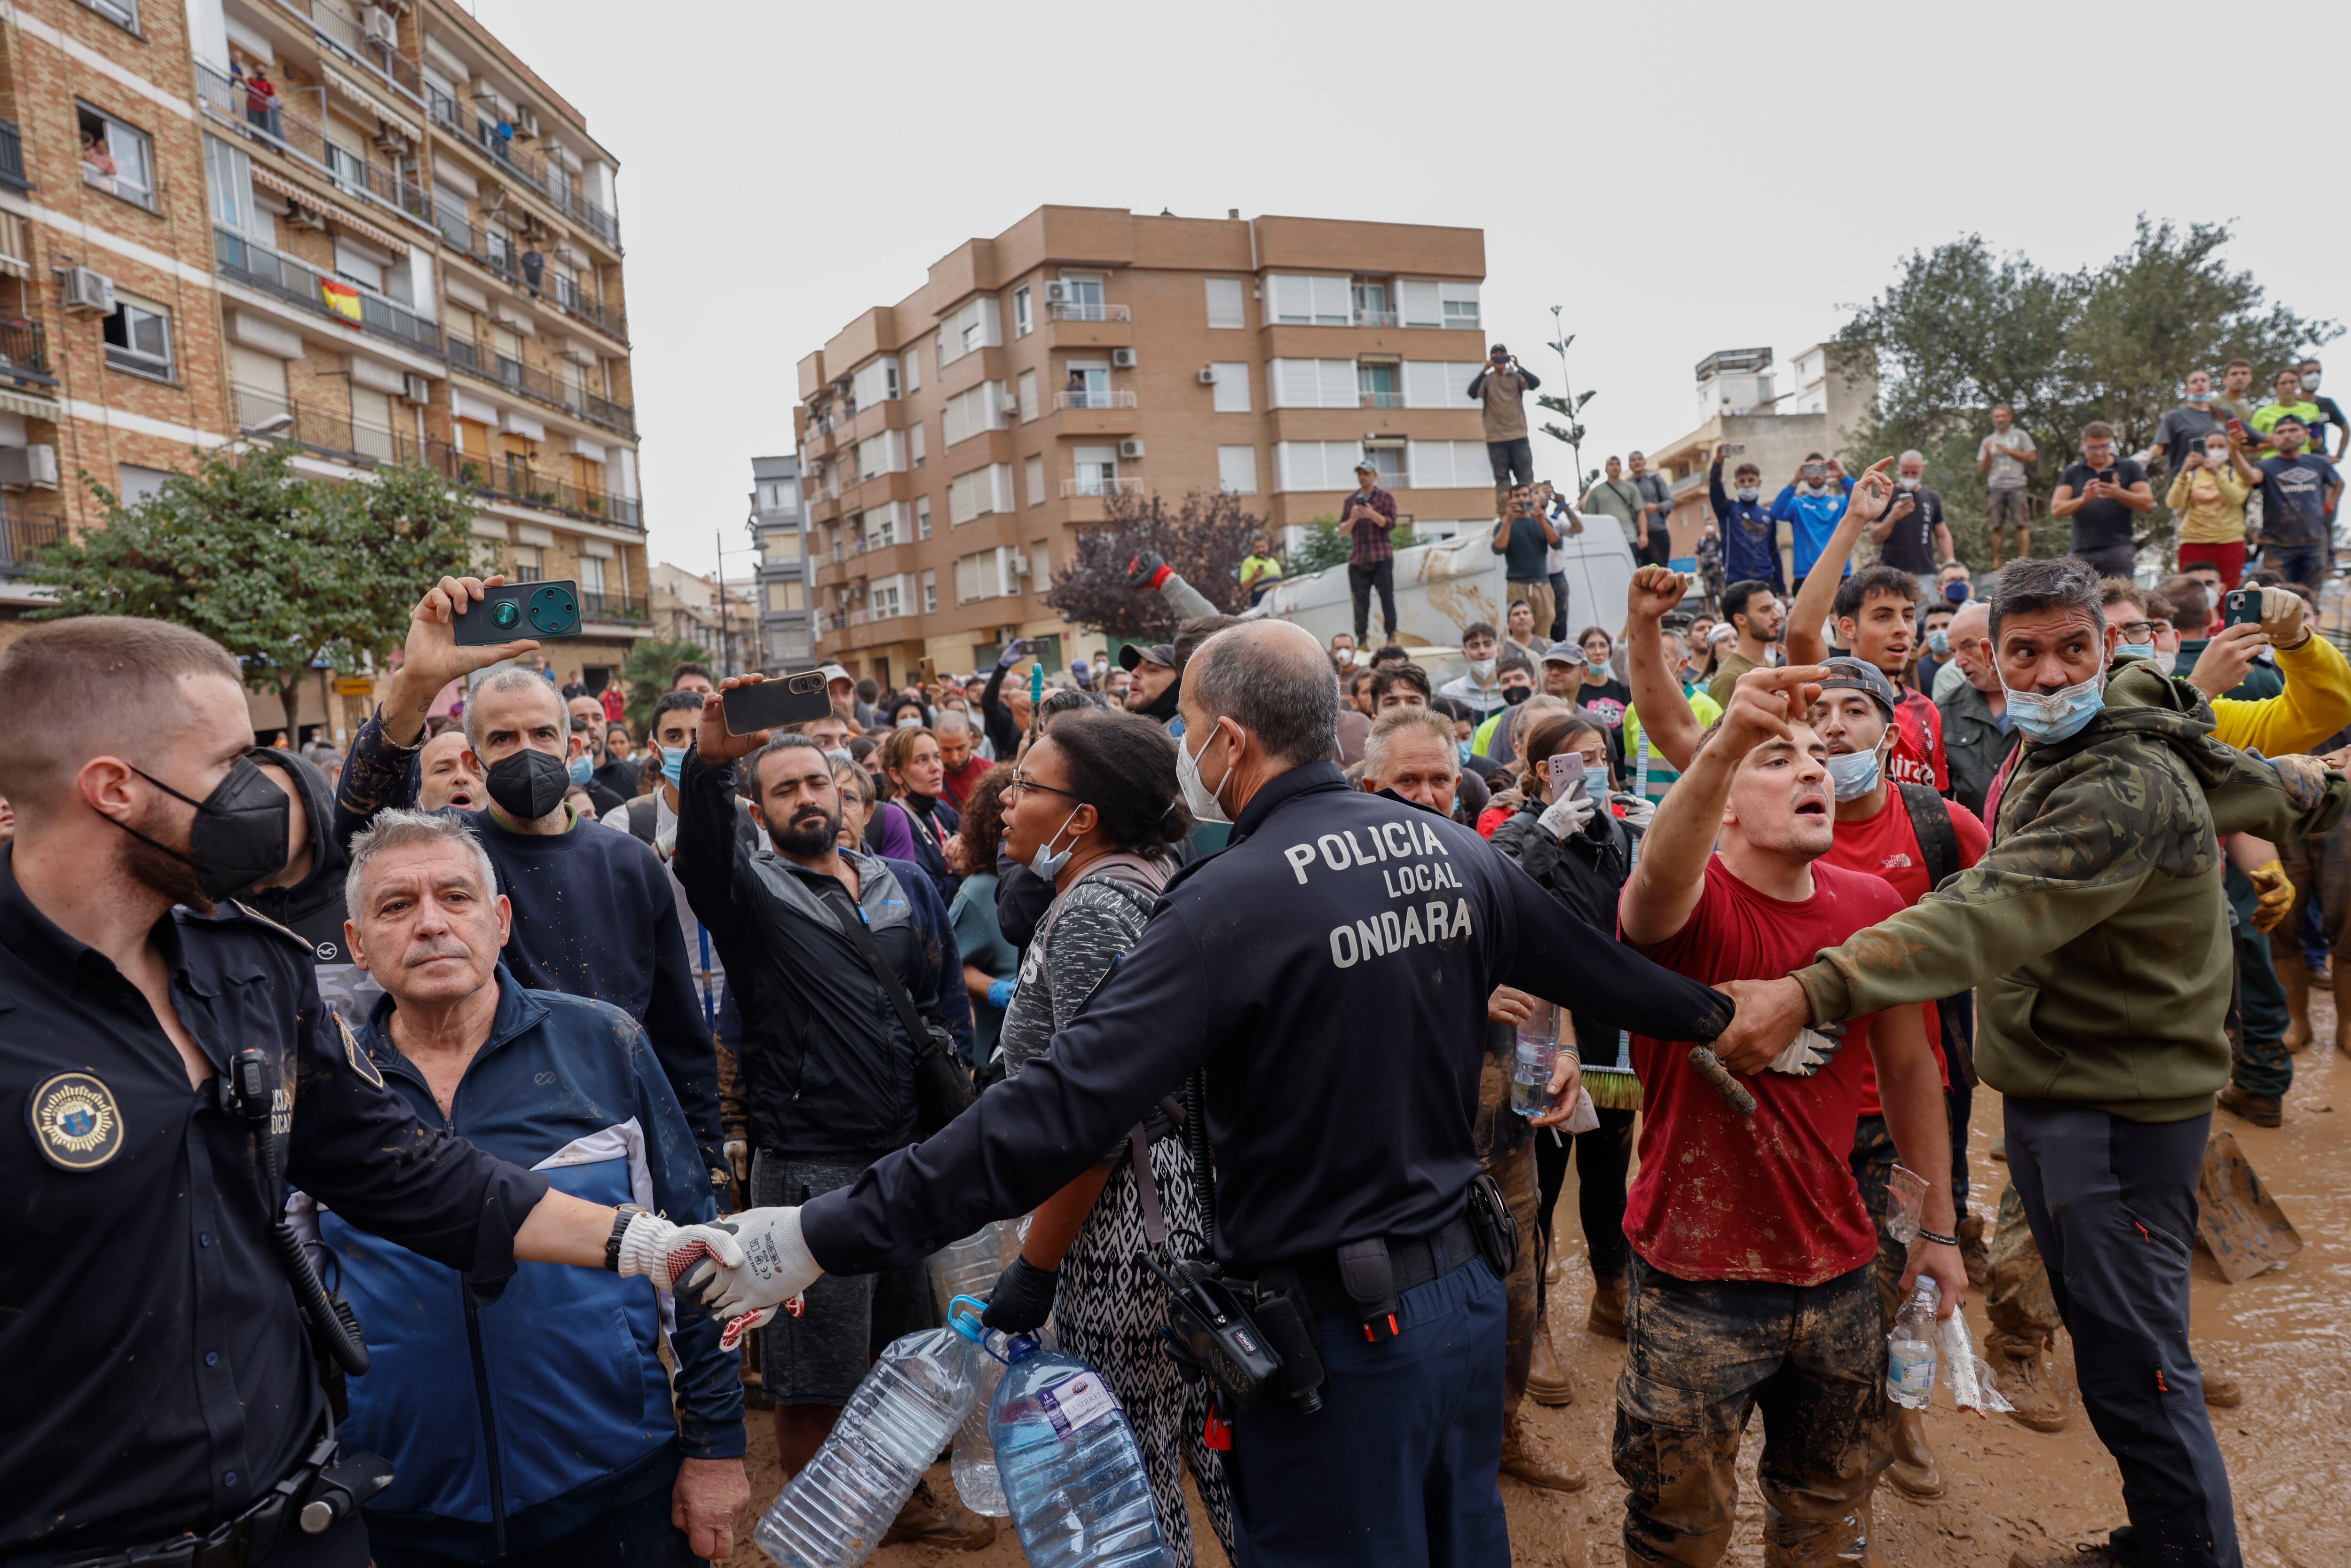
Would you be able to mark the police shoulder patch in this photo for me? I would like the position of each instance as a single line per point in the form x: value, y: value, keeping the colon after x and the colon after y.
x: 360, y: 1060
x: 260, y: 919
x: 75, y: 1121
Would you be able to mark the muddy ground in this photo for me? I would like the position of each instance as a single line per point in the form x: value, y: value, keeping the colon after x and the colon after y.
x: 2285, y: 1336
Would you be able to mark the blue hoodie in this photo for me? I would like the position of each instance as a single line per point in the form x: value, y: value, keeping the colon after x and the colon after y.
x: 1750, y: 536
x: 515, y: 1421
x: 1816, y: 518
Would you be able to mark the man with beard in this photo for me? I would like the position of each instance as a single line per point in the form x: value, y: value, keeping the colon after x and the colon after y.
x: 828, y: 1055
x: 165, y: 1068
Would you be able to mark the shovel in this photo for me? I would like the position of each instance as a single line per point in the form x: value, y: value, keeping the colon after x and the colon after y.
x: 2236, y: 1216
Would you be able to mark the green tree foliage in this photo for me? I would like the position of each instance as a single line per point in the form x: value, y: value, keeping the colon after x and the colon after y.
x: 280, y: 569
x: 1327, y: 544
x: 1962, y: 330
x: 644, y: 676
x: 1203, y: 537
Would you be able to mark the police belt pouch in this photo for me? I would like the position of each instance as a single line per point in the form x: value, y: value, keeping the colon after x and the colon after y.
x: 942, y: 1088
x: 312, y: 1499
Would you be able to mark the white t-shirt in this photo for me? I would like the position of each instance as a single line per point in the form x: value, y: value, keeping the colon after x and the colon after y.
x: 2005, y: 473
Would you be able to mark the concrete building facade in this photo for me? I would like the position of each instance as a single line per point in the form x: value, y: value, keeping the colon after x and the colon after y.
x: 951, y: 444
x: 369, y: 230
x: 786, y: 578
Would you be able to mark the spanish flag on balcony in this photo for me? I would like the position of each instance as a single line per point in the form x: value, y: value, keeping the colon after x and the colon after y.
x: 341, y: 299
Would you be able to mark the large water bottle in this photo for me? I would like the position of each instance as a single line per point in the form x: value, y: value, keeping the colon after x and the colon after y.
x: 975, y: 1478
x: 968, y: 1267
x: 1910, y: 1349
x: 1537, y: 1053
x: 834, y: 1512
x: 1073, y: 1477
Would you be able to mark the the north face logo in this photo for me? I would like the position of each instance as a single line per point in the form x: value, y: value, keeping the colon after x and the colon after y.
x: 1897, y: 860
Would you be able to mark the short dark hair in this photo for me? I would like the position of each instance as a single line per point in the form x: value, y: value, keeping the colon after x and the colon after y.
x: 1123, y: 766
x: 1453, y: 708
x: 868, y: 689
x: 1512, y: 659
x: 1744, y: 469
x: 1870, y: 581
x: 121, y: 676
x: 679, y: 672
x: 1388, y: 677
x: 2028, y: 587
x: 1393, y: 653
x: 671, y: 702
x: 788, y: 741
x: 2098, y: 429
x: 1735, y: 597
x: 2192, y: 605
x: 1481, y: 629
x: 981, y: 822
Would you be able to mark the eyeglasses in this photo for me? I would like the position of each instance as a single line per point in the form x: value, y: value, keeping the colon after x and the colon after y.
x: 1022, y: 781
x: 2137, y: 630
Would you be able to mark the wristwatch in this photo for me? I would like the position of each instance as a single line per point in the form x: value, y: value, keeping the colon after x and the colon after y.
x: 621, y: 1218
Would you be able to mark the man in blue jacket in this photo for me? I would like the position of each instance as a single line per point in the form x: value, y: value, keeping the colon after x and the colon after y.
x: 1812, y: 502
x: 1750, y: 534
x: 538, y: 1427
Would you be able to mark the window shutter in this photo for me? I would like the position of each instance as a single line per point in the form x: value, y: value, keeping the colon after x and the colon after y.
x: 1232, y: 392
x: 1226, y: 307
x: 1419, y: 304
x: 1334, y: 301
x: 1339, y: 384
x: 1027, y: 395
x: 1237, y: 470
x: 999, y: 485
x: 1035, y: 466
x: 1429, y: 464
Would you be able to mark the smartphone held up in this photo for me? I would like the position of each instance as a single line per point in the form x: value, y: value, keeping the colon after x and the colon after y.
x: 776, y: 703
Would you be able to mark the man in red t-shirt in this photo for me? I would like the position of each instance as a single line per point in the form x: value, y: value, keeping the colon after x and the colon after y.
x: 1877, y: 833
x: 1752, y: 1271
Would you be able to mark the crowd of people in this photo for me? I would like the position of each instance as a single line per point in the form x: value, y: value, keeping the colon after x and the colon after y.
x: 1091, y: 951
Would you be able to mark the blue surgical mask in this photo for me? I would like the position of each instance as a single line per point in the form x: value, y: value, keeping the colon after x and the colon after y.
x: 1938, y: 642
x: 1749, y: 492
x: 1854, y: 775
x: 673, y: 766
x: 581, y: 770
x: 2199, y: 397
x: 1461, y: 749
x: 1047, y: 862
x: 2134, y: 650
x: 2047, y: 717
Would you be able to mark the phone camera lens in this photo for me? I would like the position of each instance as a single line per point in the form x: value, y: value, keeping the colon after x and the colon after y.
x: 505, y: 613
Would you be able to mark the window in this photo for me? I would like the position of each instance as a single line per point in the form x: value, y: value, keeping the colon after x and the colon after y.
x: 782, y: 497
x: 1232, y: 390
x: 1388, y: 466
x: 1083, y: 294
x: 116, y: 158
x: 228, y: 180
x: 1371, y: 300
x: 1312, y: 383
x: 1041, y: 567
x: 915, y: 443
x: 529, y: 565
x: 123, y: 13
x: 780, y: 547
x: 1226, y: 307
x: 1440, y: 383
x: 1447, y: 465
x: 1298, y: 301
x: 882, y: 600
x: 968, y: 413
x: 1376, y: 380
x: 1037, y: 480
x: 1027, y: 396
x: 930, y: 592
x: 787, y: 596
x: 372, y: 424
x: 922, y: 517
x: 1460, y: 301
x: 1237, y: 470
x: 1316, y: 465
x: 980, y: 492
x: 910, y: 366
x: 987, y: 574
x: 135, y: 483
x: 973, y: 327
x: 881, y: 527
x: 358, y: 265
x: 883, y: 454
x: 139, y: 338
x: 874, y: 381
x: 1022, y: 323
x: 591, y: 574
x: 1097, y: 470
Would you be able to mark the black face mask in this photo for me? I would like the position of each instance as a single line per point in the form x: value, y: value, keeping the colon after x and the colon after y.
x: 1162, y: 707
x: 528, y: 784
x: 1514, y: 695
x: 238, y: 836
x: 1404, y: 800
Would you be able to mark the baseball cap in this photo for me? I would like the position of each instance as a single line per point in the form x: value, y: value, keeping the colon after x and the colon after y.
x: 1563, y: 653
x: 835, y: 673
x: 1497, y: 349
x: 1160, y: 654
x: 1367, y: 467
x: 1849, y: 674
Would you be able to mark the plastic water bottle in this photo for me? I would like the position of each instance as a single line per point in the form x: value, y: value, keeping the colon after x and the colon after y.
x: 1910, y: 1350
x: 968, y: 1267
x: 1072, y: 1476
x: 976, y: 1479
x: 834, y: 1512
x: 1538, y: 1052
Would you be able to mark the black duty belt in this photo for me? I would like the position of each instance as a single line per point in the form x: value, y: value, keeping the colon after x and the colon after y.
x: 1342, y: 1280
x: 312, y: 1499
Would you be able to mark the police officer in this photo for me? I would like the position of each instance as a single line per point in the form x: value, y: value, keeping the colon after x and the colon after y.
x: 1330, y: 970
x: 165, y: 1066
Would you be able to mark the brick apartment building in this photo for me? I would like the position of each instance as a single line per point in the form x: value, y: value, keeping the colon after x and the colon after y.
x: 786, y: 572
x: 948, y: 445
x: 406, y: 252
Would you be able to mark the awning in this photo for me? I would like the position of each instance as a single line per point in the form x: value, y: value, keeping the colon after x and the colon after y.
x: 270, y: 180
x: 29, y: 406
x: 361, y: 96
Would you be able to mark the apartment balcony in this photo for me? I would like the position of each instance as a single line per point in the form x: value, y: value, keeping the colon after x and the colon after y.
x: 1096, y: 312
x: 24, y: 531
x: 482, y: 131
x: 1381, y: 400
x: 620, y: 608
x: 24, y: 354
x: 337, y: 26
x: 1375, y: 318
x: 1105, y: 400
x: 11, y: 157
x: 337, y: 299
x: 286, y: 128
x: 1073, y: 489
x: 540, y: 387
x: 608, y: 320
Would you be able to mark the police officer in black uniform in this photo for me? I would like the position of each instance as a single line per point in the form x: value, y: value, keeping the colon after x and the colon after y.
x: 1330, y: 970
x: 163, y: 1073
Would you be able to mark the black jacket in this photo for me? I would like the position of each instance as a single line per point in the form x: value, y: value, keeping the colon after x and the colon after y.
x: 1974, y: 745
x: 1586, y: 873
x: 313, y: 908
x: 1329, y: 969
x: 827, y: 1066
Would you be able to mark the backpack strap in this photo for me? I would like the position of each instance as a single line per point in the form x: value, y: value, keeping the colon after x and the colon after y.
x: 1931, y: 818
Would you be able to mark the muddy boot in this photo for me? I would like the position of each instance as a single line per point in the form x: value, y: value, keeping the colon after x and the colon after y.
x: 934, y: 1520
x: 1524, y: 1456
x: 2031, y: 1388
x: 1975, y: 1250
x: 1912, y: 1469
x: 1549, y: 1382
x: 2261, y: 1110
x: 2296, y: 979
x: 1608, y: 1314
x: 2087, y: 1555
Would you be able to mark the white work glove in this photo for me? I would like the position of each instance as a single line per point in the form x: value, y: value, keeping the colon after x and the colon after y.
x: 768, y: 1269
x: 651, y: 1246
x: 1567, y: 816
x: 1638, y: 810
x: 1809, y: 1052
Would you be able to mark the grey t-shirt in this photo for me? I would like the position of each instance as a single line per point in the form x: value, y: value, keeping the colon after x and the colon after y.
x: 2183, y: 431
x: 1087, y: 928
x: 2005, y: 473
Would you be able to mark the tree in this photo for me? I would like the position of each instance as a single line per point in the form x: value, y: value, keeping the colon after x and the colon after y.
x: 285, y: 572
x: 1569, y: 406
x: 1326, y: 544
x: 1204, y: 538
x: 1961, y: 331
x: 644, y: 676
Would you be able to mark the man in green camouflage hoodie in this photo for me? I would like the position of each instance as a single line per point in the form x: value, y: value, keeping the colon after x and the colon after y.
x: 2093, y: 931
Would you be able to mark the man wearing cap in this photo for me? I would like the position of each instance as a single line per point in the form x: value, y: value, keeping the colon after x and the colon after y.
x: 1369, y: 516
x: 1151, y: 690
x: 1501, y: 390
x: 1523, y: 538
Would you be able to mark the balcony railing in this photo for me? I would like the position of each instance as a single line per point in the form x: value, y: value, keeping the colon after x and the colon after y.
x: 24, y: 352
x: 603, y: 317
x: 285, y: 128
x: 540, y: 387
x: 481, y: 126
x: 612, y: 607
x: 1375, y: 317
x: 22, y: 532
x: 300, y: 283
x: 1103, y: 399
x: 11, y: 157
x: 1100, y: 487
x: 1096, y: 312
x: 1383, y: 400
x: 334, y: 24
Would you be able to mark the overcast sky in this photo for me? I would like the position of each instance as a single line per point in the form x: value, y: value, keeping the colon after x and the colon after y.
x: 1679, y: 179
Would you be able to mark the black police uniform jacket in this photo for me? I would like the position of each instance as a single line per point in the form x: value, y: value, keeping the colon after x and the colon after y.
x: 157, y: 1377
x: 1330, y: 968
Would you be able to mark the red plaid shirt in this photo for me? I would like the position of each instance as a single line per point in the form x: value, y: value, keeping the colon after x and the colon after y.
x: 1371, y: 544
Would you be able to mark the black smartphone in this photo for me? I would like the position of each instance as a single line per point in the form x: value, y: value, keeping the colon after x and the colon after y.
x: 2241, y: 606
x: 776, y: 703
x: 513, y: 610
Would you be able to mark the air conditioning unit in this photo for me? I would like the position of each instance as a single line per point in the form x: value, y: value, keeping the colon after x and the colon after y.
x: 416, y: 389
x: 1121, y: 359
x: 23, y: 467
x: 382, y: 26
x: 526, y: 121
x: 1130, y: 449
x: 1057, y: 294
x: 85, y: 288
x: 1019, y: 565
x: 1207, y: 376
